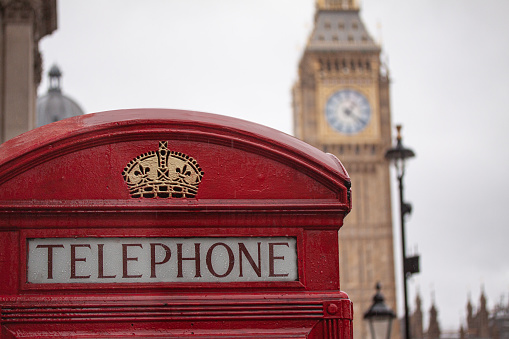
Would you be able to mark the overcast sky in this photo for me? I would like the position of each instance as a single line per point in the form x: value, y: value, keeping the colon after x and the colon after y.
x: 448, y: 62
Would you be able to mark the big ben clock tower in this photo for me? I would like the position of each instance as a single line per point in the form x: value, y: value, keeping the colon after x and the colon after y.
x: 341, y: 105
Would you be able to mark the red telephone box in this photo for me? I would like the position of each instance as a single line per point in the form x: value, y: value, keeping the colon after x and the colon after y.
x: 165, y: 223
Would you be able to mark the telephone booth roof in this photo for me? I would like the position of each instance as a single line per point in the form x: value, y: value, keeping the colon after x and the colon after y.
x: 35, y: 164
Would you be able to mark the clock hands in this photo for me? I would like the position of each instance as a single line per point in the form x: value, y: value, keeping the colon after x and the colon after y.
x: 359, y: 119
x: 351, y: 111
x: 348, y: 111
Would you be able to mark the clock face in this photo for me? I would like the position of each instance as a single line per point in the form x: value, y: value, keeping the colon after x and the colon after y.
x: 348, y: 111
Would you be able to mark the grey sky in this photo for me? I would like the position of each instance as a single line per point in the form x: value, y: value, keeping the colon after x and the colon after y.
x: 448, y: 61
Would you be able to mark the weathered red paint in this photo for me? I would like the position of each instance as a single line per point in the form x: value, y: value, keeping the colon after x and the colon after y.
x: 64, y: 180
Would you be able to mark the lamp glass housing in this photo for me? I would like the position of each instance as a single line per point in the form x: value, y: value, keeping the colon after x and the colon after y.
x: 380, y: 327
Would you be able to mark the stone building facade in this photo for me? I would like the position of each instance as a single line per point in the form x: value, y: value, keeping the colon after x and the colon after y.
x: 341, y: 106
x: 24, y: 24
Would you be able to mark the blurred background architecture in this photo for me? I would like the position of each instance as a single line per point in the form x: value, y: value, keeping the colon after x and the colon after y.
x: 479, y: 322
x: 341, y: 105
x: 54, y: 105
x: 24, y: 24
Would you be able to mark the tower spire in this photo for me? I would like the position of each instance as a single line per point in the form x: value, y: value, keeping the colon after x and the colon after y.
x: 337, y: 4
x: 54, y: 79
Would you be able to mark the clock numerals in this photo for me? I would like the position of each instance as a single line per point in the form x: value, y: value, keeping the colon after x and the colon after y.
x: 348, y: 111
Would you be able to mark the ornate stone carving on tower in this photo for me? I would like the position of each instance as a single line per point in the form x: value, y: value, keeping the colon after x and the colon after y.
x: 24, y: 23
x: 341, y: 105
x: 434, y: 327
x: 478, y: 323
x: 416, y: 327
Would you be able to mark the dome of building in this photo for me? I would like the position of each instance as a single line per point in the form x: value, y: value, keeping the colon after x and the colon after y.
x: 54, y: 106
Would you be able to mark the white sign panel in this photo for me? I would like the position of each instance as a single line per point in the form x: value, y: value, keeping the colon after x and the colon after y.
x: 131, y: 260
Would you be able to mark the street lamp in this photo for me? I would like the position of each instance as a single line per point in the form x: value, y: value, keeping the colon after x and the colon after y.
x: 379, y: 317
x: 398, y: 155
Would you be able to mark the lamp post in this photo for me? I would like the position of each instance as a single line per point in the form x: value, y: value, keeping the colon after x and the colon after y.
x: 379, y: 317
x: 398, y: 155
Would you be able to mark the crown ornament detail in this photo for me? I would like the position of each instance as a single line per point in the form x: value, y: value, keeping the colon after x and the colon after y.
x: 163, y: 174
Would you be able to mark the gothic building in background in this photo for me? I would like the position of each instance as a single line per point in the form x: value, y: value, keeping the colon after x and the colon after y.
x: 54, y: 105
x: 477, y: 324
x: 416, y: 325
x: 499, y: 321
x: 24, y: 24
x: 481, y: 323
x: 434, y: 328
x: 341, y: 106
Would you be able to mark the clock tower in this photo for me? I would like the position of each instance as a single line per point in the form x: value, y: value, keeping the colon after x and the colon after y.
x: 341, y: 105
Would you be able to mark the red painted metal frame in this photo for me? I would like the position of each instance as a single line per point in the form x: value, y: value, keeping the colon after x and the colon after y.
x: 64, y: 180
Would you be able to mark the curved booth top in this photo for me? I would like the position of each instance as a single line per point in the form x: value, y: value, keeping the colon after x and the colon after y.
x: 86, y: 158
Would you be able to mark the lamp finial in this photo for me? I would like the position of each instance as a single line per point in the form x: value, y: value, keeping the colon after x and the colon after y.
x: 398, y: 128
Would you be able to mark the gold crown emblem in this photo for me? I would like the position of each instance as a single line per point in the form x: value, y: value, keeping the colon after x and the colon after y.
x: 163, y: 174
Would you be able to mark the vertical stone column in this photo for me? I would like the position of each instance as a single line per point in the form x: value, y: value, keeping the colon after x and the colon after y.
x: 19, y: 90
